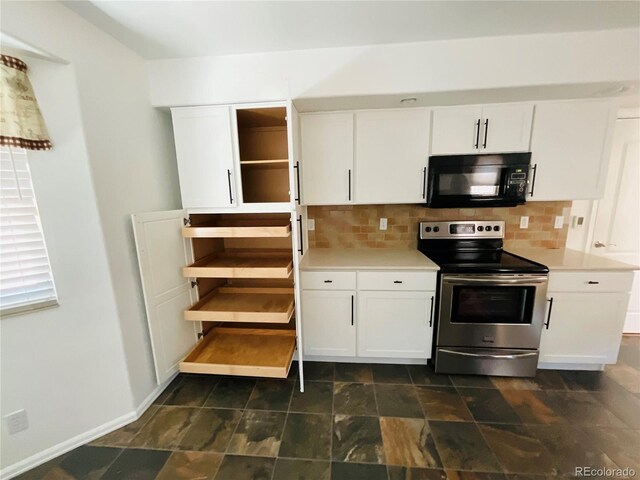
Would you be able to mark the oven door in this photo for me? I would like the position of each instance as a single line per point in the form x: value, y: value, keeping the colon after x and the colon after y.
x: 491, y: 311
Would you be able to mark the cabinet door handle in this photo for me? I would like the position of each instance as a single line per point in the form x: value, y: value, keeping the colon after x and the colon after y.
x: 397, y: 281
x: 486, y: 129
x: 229, y: 180
x: 424, y: 182
x: 299, y: 194
x: 301, y: 249
x: 477, y: 134
x: 591, y: 282
x: 349, y: 184
x: 352, y: 309
x: 533, y: 180
x: 431, y: 313
x: 549, y: 313
x: 328, y: 281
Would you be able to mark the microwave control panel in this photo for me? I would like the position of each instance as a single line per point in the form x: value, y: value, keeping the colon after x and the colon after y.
x: 517, y: 182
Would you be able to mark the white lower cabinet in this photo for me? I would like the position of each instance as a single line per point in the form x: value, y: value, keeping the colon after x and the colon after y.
x: 368, y: 323
x: 584, y: 321
x: 395, y: 324
x: 329, y: 322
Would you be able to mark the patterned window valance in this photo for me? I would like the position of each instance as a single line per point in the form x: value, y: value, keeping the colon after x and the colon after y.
x: 21, y: 123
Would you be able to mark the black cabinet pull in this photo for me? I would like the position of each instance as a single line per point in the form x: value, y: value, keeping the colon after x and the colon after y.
x: 328, y: 281
x: 533, y: 180
x: 549, y: 313
x: 591, y: 282
x: 397, y: 281
x: 424, y: 182
x: 299, y: 194
x: 477, y: 134
x: 229, y: 180
x: 486, y: 129
x: 431, y: 313
x: 301, y: 249
x: 351, y: 309
x: 349, y: 184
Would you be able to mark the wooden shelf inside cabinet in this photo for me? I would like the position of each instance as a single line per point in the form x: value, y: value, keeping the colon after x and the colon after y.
x: 281, y: 161
x: 256, y: 305
x: 242, y: 351
x: 245, y: 264
x: 246, y: 229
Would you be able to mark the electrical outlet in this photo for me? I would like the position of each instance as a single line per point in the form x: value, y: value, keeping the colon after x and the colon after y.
x: 383, y: 224
x: 311, y: 224
x: 16, y: 421
x: 524, y: 222
x: 558, y: 222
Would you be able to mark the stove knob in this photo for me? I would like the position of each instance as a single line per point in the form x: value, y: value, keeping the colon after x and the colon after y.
x: 496, y: 228
x: 480, y: 228
x: 427, y: 229
x: 436, y: 229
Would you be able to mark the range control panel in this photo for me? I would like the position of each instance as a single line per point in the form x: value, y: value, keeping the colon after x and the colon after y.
x: 475, y: 229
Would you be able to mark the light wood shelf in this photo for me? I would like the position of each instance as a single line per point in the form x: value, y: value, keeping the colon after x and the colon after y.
x: 242, y: 351
x: 256, y: 305
x: 283, y: 161
x: 242, y: 229
x: 244, y: 264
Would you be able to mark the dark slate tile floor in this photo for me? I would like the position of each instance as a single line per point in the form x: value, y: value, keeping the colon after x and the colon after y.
x: 387, y: 422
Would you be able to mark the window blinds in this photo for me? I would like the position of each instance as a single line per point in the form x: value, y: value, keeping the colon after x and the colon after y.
x: 26, y: 281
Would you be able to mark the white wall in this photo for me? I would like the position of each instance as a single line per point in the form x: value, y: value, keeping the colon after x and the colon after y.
x: 64, y: 365
x: 113, y: 156
x: 442, y: 66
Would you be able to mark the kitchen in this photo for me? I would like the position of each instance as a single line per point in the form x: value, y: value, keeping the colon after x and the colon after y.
x: 401, y: 249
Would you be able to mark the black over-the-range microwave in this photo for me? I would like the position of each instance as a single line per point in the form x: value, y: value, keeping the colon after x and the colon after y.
x: 478, y: 180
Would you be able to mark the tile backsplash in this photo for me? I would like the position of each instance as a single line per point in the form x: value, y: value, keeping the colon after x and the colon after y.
x: 357, y: 226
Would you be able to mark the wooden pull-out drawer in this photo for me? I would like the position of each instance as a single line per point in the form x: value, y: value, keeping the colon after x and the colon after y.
x: 328, y: 280
x: 590, y: 281
x: 400, y: 280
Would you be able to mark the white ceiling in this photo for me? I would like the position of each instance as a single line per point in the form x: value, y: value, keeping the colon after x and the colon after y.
x: 170, y: 29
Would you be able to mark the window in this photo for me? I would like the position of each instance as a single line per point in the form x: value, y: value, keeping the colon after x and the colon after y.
x: 26, y: 282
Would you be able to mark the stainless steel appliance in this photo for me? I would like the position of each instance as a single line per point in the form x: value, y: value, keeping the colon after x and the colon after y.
x: 491, y: 303
x: 478, y: 180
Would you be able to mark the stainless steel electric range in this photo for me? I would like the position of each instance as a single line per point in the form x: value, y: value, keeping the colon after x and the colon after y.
x: 490, y: 303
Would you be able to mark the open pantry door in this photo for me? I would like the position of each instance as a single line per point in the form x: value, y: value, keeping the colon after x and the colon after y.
x: 162, y: 253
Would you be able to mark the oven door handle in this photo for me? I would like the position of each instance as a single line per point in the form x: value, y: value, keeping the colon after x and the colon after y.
x: 490, y: 355
x: 495, y: 280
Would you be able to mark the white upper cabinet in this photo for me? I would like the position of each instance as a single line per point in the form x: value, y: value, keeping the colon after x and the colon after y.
x: 392, y: 148
x: 506, y: 128
x: 327, y: 158
x: 204, y: 149
x: 570, y: 147
x: 481, y: 129
x: 456, y: 130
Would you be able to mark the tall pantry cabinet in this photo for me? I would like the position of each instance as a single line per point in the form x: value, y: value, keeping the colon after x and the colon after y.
x: 220, y: 277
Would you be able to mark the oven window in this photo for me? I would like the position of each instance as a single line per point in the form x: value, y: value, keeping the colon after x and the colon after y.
x: 512, y: 305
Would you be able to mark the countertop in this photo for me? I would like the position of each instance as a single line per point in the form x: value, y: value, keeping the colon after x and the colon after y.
x: 365, y: 259
x: 568, y: 259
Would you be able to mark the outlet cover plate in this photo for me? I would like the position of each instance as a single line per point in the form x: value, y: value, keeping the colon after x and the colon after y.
x: 524, y: 222
x: 16, y: 421
x: 383, y: 224
x: 559, y: 221
x: 311, y: 224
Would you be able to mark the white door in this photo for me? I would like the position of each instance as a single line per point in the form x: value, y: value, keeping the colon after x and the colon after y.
x: 392, y: 148
x: 204, y: 150
x: 395, y: 324
x: 616, y: 232
x: 456, y: 130
x: 506, y: 128
x: 570, y: 146
x: 327, y: 158
x: 328, y: 323
x: 162, y: 252
x: 583, y: 328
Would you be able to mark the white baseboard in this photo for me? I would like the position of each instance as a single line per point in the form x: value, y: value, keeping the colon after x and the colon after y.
x: 571, y: 366
x: 83, y: 438
x: 632, y: 323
